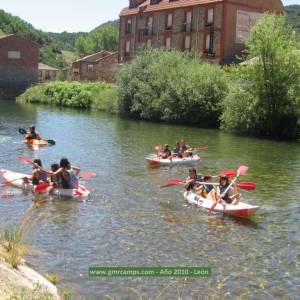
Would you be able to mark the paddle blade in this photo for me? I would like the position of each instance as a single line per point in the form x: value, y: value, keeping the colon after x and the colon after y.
x: 157, y: 148
x: 242, y: 170
x: 201, y: 148
x: 51, y: 142
x: 247, y: 185
x: 41, y: 187
x: 228, y: 173
x: 5, y: 183
x: 88, y: 175
x: 172, y: 182
x: 22, y: 131
x: 25, y: 160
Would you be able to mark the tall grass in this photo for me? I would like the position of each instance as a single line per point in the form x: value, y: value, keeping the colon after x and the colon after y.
x: 12, y: 244
x: 87, y: 95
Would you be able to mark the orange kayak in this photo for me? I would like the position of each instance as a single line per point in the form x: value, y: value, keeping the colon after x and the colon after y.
x: 36, y: 142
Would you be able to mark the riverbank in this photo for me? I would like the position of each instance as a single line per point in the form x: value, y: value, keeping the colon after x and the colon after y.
x: 79, y: 95
x: 24, y: 282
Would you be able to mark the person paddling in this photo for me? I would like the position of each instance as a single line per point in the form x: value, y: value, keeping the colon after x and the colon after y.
x: 32, y: 134
x: 68, y: 174
x: 226, y: 198
x: 191, y: 181
x: 205, y: 188
x: 38, y: 175
x: 165, y: 153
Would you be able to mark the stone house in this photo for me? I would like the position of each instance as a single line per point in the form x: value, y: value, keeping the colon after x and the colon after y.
x: 100, y: 66
x: 215, y: 29
x: 18, y: 65
x: 47, y: 73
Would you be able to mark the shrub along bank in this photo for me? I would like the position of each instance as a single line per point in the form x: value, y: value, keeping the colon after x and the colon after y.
x: 99, y: 96
x: 171, y: 86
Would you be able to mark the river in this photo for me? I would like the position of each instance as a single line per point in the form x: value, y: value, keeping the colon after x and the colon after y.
x: 130, y: 221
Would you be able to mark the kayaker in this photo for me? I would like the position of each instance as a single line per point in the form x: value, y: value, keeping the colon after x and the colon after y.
x: 191, y: 181
x: 176, y: 152
x: 32, y: 134
x: 165, y: 153
x: 68, y: 174
x: 38, y: 175
x: 206, y: 187
x: 185, y: 149
x: 55, y: 180
x: 226, y: 198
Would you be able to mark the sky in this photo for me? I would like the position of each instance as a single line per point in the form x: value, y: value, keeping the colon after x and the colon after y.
x: 70, y: 15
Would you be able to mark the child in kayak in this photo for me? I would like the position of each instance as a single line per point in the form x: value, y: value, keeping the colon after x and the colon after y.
x: 176, y: 152
x: 165, y: 153
x: 191, y: 181
x: 55, y: 180
x: 32, y: 134
x: 38, y: 175
x: 226, y: 198
x: 205, y: 188
x: 68, y: 174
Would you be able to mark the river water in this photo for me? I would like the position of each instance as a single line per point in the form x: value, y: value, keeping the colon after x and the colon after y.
x: 130, y: 221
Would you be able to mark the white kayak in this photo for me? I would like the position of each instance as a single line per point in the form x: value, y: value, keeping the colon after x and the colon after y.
x: 242, y: 210
x: 157, y: 161
x: 16, y: 179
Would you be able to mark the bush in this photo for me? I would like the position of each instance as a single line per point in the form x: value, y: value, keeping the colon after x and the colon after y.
x: 100, y: 96
x: 264, y: 96
x: 171, y: 86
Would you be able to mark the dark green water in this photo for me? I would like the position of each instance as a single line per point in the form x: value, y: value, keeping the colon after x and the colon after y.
x: 129, y: 221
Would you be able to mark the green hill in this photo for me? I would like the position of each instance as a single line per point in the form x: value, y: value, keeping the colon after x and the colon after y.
x: 293, y: 16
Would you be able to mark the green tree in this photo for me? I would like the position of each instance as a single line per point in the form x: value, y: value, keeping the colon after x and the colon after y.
x: 104, y: 38
x: 264, y: 95
x: 171, y: 86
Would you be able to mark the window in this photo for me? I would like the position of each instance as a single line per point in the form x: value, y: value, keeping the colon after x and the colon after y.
x: 169, y: 22
x: 90, y: 67
x: 168, y: 43
x: 149, y: 43
x: 188, y: 21
x: 150, y: 25
x: 187, y: 43
x: 209, y: 42
x: 128, y: 26
x: 127, y: 48
x: 210, y: 16
x: 54, y: 74
x: 14, y: 54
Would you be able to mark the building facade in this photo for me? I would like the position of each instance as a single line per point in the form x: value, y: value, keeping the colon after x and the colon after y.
x: 215, y: 29
x: 18, y: 65
x: 47, y: 73
x: 100, y: 66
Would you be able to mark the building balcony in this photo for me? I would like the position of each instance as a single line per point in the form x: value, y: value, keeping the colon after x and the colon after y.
x: 187, y: 27
x: 148, y: 32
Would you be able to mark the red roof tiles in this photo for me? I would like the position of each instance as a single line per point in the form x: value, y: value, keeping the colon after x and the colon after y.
x: 163, y: 5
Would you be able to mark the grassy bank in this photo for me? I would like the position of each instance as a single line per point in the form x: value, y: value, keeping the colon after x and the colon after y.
x: 98, y: 96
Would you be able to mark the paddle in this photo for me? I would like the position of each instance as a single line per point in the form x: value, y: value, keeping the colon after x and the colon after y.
x: 241, y: 171
x: 175, y: 181
x: 50, y: 142
x: 200, y: 148
x: 247, y: 185
x: 25, y: 160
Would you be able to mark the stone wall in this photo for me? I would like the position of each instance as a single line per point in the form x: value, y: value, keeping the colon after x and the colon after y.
x: 106, y: 68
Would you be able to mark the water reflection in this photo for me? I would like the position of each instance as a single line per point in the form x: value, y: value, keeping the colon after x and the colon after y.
x: 130, y: 221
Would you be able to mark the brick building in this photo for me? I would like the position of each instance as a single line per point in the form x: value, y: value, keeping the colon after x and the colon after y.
x: 213, y: 28
x: 100, y: 66
x: 47, y: 73
x: 18, y: 65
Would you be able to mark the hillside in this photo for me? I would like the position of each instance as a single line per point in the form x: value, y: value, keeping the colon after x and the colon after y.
x: 293, y: 16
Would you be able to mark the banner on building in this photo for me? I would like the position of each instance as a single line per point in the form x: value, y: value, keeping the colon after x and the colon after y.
x: 245, y: 20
